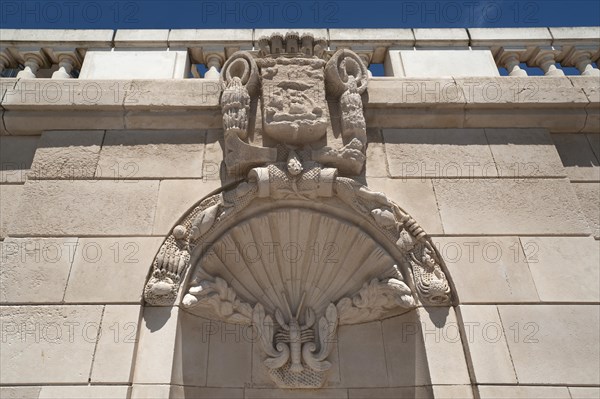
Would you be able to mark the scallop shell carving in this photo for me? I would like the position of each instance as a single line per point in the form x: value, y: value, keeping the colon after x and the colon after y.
x: 281, y: 256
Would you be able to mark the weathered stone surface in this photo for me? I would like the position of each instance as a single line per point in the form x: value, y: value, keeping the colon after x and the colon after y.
x: 16, y: 156
x: 376, y: 164
x: 141, y: 38
x: 113, y: 359
x: 35, y: 270
x: 490, y: 361
x: 521, y: 392
x: 584, y: 392
x: 66, y: 95
x: 522, y: 153
x: 513, y: 36
x: 406, y: 361
x: 67, y: 155
x: 443, y: 347
x: 213, y: 155
x: 146, y: 64
x: 76, y: 208
x: 575, y: 35
x: 589, y: 200
x: 390, y: 37
x: 210, y: 37
x: 577, y: 156
x: 413, y: 92
x: 500, y: 262
x: 58, y: 37
x: 10, y: 198
x: 554, y: 118
x: 415, y: 196
x: 562, y: 340
x: 176, y: 197
x: 229, y: 349
x: 190, y: 366
x: 564, y: 269
x: 32, y: 122
x: 143, y: 154
x: 447, y: 37
x: 157, y: 337
x: 594, y: 140
x: 507, y: 206
x: 21, y: 392
x: 109, y: 270
x: 144, y: 391
x: 362, y: 356
x: 452, y: 391
x: 48, y: 344
x: 84, y: 392
x: 442, y: 63
x: 436, y: 153
x: 519, y: 91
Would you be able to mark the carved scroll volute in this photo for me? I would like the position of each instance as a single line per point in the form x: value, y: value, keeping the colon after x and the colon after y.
x: 347, y: 79
x: 241, y: 87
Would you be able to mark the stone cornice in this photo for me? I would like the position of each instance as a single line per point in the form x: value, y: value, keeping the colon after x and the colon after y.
x: 562, y: 104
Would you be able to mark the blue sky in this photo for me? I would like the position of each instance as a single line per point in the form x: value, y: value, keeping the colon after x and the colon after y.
x: 145, y: 14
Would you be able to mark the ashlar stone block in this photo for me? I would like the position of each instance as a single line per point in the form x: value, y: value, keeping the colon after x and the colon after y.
x: 176, y: 197
x: 111, y: 270
x: 16, y: 156
x: 35, y: 270
x: 113, y: 359
x: 406, y: 361
x: 589, y: 200
x: 151, y: 154
x: 67, y: 155
x: 362, y: 355
x: 490, y: 361
x: 20, y: 392
x: 83, y: 207
x: 156, y: 348
x: 578, y: 157
x: 564, y: 269
x: 524, y: 392
x: 438, y: 153
x: 561, y: 339
x: 524, y: 153
x: 584, y: 392
x: 229, y: 355
x: 48, y: 344
x: 84, y: 392
x: 443, y: 63
x: 443, y: 346
x: 10, y: 198
x: 135, y: 65
x: 488, y: 269
x: 507, y: 206
x: 415, y: 196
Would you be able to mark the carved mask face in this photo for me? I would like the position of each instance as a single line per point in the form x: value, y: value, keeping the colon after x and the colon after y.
x: 294, y: 165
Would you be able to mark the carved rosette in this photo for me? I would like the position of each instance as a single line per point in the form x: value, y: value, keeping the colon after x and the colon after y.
x: 296, y: 187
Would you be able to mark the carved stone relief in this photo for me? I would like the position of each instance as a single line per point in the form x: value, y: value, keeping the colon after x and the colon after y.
x: 358, y: 256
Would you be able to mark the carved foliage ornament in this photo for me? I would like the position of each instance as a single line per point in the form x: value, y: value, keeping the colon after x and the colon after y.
x: 374, y: 260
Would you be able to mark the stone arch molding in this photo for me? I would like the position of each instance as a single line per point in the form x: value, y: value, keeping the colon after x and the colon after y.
x: 362, y: 257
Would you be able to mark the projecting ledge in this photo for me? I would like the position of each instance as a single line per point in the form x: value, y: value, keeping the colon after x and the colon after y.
x: 559, y: 104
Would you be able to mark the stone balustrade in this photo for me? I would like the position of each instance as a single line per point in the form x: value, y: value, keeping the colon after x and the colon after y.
x: 410, y: 53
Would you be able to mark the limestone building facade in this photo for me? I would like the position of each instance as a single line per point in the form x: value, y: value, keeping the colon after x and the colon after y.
x: 284, y: 224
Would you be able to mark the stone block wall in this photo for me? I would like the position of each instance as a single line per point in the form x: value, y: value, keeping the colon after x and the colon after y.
x: 514, y: 213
